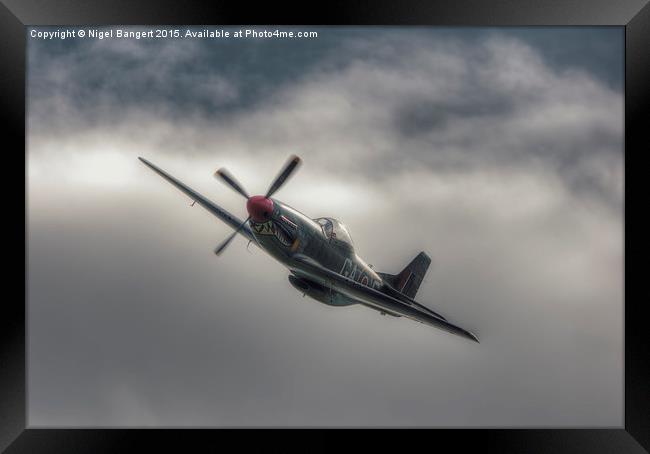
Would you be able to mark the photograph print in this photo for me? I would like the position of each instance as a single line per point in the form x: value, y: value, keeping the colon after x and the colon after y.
x: 325, y: 226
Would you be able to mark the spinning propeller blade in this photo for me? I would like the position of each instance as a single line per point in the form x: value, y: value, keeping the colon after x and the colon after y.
x: 231, y: 181
x: 283, y: 176
x: 223, y: 245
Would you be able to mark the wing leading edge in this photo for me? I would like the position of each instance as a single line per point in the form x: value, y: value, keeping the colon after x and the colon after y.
x: 376, y: 298
x: 231, y: 220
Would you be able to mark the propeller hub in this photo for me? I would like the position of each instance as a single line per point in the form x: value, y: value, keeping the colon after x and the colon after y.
x: 259, y: 208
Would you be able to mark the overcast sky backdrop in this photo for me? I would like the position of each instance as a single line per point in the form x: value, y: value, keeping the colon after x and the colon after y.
x: 497, y: 151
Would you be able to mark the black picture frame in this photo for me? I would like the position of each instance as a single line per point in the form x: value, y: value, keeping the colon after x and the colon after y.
x: 15, y: 15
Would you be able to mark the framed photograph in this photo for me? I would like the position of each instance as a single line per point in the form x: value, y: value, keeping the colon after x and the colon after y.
x: 403, y: 217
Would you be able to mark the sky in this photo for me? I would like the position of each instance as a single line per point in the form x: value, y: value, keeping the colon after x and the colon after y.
x: 498, y: 151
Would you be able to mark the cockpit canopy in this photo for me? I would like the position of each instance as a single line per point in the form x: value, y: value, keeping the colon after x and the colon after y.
x: 334, y: 230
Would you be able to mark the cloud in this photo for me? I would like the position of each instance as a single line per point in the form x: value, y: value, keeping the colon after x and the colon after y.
x: 402, y: 103
x: 506, y: 168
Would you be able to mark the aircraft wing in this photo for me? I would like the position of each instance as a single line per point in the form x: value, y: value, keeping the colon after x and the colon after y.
x: 231, y: 220
x: 313, y: 270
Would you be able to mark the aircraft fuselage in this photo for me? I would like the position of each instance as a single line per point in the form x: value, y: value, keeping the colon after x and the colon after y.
x: 288, y: 232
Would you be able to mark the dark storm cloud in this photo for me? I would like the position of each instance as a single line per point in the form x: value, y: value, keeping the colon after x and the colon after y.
x: 179, y: 77
x: 432, y: 98
x: 197, y: 76
x: 499, y: 152
x: 427, y: 116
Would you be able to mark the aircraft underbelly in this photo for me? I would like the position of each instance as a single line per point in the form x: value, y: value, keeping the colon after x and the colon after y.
x: 321, y: 293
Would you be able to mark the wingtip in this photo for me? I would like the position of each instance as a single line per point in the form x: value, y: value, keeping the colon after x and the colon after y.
x: 469, y: 335
x: 147, y: 163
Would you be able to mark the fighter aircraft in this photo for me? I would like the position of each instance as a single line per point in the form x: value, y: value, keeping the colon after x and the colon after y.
x: 319, y: 253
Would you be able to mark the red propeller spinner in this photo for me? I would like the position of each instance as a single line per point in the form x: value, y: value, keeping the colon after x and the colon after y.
x: 259, y: 208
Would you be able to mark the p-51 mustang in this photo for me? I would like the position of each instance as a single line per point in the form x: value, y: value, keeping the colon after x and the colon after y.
x: 319, y: 253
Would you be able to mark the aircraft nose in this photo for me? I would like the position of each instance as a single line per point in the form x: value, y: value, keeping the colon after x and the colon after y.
x: 259, y: 208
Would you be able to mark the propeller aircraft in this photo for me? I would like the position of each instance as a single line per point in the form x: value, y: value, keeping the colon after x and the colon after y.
x: 319, y: 253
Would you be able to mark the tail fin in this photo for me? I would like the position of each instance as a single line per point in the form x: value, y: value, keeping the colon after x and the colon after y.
x: 409, y: 279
